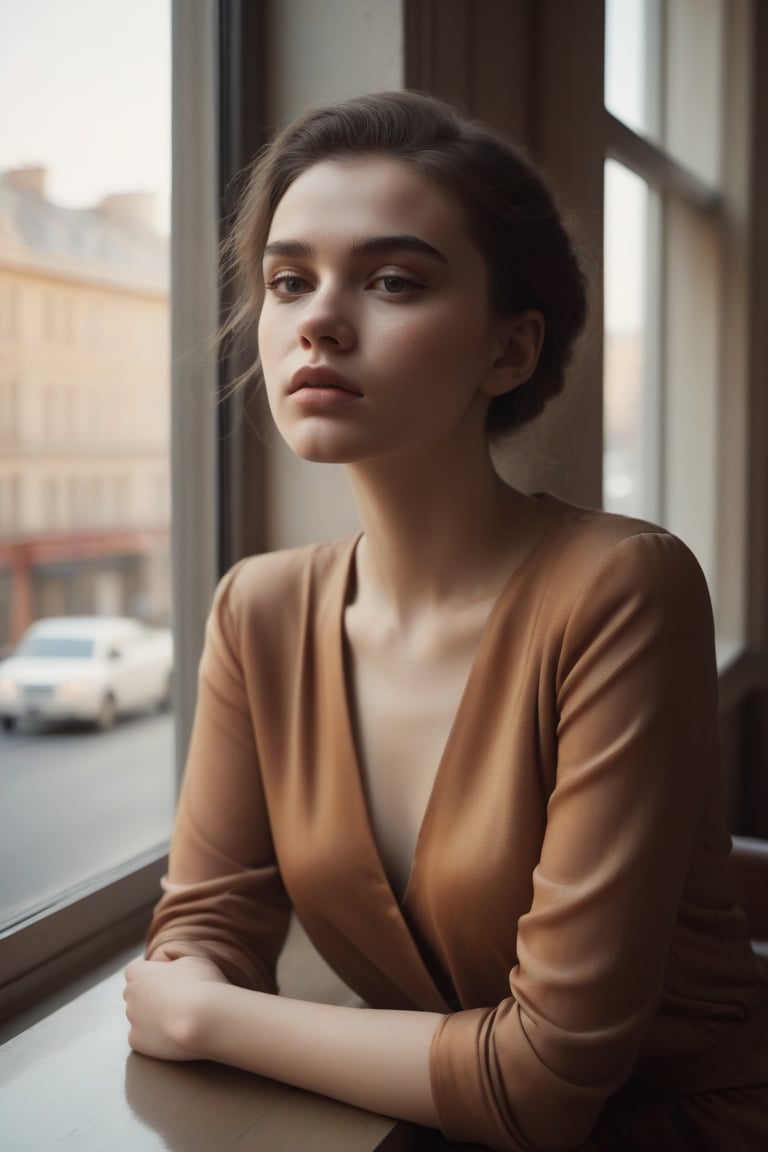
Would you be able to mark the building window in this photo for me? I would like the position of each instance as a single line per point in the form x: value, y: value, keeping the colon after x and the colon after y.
x: 8, y: 409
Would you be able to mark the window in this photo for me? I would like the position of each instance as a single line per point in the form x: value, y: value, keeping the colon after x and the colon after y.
x: 631, y: 370
x: 669, y: 194
x: 84, y: 243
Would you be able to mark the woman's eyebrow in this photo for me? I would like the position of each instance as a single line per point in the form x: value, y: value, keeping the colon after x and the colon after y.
x: 288, y: 248
x: 400, y: 243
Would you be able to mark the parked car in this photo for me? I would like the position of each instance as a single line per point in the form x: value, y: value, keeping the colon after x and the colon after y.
x: 86, y: 668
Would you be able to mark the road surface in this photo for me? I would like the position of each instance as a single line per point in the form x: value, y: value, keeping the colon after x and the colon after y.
x: 75, y: 802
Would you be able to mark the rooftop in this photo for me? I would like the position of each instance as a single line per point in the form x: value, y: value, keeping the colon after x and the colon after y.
x: 114, y: 240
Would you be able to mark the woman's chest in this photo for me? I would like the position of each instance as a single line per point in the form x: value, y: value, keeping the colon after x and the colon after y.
x: 427, y: 774
x: 431, y: 771
x: 403, y: 710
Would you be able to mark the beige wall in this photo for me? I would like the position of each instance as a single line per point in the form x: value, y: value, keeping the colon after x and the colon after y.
x: 316, y: 52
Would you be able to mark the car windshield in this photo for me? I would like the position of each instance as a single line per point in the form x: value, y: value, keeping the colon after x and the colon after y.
x: 56, y: 648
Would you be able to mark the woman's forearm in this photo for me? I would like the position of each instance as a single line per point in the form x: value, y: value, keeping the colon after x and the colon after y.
x: 374, y: 1059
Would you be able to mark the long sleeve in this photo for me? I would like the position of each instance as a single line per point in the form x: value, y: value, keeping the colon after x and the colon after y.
x: 225, y: 899
x: 636, y: 765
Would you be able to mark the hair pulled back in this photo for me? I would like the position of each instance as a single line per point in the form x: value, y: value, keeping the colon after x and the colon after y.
x: 510, y: 215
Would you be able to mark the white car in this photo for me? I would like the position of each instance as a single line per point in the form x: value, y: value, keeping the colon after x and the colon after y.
x: 86, y: 668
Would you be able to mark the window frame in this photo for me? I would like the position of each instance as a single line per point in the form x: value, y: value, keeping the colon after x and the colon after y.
x: 741, y: 515
x: 680, y: 189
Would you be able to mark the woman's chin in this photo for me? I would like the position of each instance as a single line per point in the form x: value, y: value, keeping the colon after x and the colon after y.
x: 317, y: 448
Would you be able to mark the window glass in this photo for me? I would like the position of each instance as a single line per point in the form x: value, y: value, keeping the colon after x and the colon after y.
x: 664, y: 74
x: 628, y: 382
x: 632, y: 63
x: 666, y: 249
x: 86, y: 741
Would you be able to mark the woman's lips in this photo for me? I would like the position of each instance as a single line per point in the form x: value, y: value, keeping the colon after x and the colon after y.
x: 320, y: 378
x: 318, y: 387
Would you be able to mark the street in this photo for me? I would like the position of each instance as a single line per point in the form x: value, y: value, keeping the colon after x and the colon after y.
x: 74, y: 803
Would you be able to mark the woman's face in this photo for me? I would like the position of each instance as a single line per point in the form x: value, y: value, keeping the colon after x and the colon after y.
x: 376, y: 336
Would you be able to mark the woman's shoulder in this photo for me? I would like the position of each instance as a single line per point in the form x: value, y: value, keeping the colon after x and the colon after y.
x: 612, y: 592
x: 274, y: 583
x: 593, y: 528
x: 590, y: 548
x: 593, y: 532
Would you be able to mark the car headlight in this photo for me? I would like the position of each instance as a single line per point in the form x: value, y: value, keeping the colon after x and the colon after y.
x: 8, y: 688
x: 70, y: 689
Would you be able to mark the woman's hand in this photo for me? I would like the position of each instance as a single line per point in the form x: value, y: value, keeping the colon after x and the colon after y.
x: 186, y: 1009
x: 164, y: 999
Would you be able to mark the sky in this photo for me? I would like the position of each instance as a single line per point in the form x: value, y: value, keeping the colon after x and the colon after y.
x: 85, y: 90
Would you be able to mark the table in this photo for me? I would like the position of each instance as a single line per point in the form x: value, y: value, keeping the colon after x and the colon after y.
x: 72, y: 1082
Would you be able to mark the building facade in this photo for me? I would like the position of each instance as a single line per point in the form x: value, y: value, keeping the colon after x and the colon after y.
x: 84, y: 408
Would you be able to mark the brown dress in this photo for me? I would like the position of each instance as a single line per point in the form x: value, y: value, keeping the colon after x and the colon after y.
x: 569, y: 906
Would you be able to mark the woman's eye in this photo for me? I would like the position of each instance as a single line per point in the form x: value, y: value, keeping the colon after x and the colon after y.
x: 287, y: 284
x: 395, y: 285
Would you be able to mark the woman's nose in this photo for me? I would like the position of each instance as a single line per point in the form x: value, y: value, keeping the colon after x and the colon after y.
x: 325, y: 319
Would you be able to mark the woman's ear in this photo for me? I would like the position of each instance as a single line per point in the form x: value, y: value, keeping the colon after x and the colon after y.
x: 520, y: 339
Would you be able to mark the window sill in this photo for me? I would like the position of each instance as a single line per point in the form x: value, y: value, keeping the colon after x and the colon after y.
x: 87, y: 927
x: 100, y: 1095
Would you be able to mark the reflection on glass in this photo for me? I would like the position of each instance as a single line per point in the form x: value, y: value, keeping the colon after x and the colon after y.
x: 84, y: 428
x: 626, y: 342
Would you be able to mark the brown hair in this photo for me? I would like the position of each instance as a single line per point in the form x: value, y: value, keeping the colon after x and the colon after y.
x: 510, y: 213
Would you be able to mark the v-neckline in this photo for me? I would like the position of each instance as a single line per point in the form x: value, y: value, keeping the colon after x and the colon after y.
x: 343, y: 686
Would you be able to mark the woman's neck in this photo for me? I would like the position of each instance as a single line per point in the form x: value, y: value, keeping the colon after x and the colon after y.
x: 437, y: 534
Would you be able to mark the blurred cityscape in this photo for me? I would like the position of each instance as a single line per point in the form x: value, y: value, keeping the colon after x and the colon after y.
x: 84, y: 407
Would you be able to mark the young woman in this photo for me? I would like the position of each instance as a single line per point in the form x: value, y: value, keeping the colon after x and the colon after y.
x: 473, y: 746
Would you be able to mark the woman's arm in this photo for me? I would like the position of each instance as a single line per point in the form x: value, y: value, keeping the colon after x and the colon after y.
x: 223, y: 899
x: 377, y: 1060
x: 636, y: 689
x: 222, y: 922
